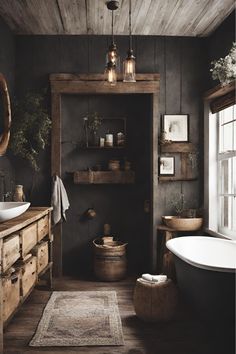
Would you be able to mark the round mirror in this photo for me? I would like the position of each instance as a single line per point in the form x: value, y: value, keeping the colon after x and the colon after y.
x: 5, y: 115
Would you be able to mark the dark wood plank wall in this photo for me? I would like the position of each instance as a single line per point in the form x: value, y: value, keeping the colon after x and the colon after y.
x: 7, y: 68
x: 180, y: 62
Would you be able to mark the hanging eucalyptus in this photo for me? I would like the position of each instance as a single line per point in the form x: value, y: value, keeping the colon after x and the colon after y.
x: 30, y: 129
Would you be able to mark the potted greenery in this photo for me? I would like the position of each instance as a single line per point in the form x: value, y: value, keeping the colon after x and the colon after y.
x: 186, y: 219
x: 30, y: 129
x: 92, y: 122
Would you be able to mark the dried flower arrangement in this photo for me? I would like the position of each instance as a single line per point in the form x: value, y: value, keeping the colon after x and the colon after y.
x: 224, y: 69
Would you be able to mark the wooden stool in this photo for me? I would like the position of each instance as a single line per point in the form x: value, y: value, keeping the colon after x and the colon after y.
x: 155, y: 302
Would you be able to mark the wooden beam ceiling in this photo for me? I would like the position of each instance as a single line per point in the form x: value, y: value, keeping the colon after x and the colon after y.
x: 150, y: 17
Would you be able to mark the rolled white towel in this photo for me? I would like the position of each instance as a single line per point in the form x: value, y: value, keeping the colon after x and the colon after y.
x: 160, y: 278
x: 154, y: 278
x: 147, y: 277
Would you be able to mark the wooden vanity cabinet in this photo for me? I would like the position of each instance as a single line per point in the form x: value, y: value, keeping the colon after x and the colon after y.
x: 10, y: 251
x: 25, y: 256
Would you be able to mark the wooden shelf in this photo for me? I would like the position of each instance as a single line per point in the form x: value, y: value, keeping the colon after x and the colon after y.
x: 172, y: 179
x: 102, y: 148
x: 219, y: 91
x: 178, y: 148
x: 104, y: 177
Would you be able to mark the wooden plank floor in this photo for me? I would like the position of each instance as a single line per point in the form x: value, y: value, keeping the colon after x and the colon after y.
x: 183, y: 335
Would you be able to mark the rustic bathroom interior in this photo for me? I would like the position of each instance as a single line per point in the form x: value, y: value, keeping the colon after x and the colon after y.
x: 117, y: 176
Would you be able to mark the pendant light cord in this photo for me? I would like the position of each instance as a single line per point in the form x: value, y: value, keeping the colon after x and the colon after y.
x: 112, y: 24
x: 130, y: 33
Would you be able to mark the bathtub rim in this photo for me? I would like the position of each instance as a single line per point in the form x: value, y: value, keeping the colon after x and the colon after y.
x: 195, y: 263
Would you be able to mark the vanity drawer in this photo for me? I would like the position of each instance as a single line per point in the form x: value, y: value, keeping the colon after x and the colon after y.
x: 43, y: 227
x: 10, y: 251
x: 11, y: 294
x: 28, y: 275
x: 28, y: 238
x: 41, y: 253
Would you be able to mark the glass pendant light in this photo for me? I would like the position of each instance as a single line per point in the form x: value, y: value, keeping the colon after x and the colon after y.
x: 112, y: 57
x: 111, y: 73
x: 129, y: 63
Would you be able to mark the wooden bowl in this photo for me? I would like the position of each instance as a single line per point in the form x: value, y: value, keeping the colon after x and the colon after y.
x: 182, y: 224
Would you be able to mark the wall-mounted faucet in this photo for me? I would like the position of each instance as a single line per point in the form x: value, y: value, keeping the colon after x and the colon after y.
x: 4, y: 194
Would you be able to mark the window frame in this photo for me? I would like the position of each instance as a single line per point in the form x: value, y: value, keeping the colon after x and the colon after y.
x: 221, y: 156
x: 212, y: 172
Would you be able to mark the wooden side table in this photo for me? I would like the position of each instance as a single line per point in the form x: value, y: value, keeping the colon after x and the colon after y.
x: 165, y: 261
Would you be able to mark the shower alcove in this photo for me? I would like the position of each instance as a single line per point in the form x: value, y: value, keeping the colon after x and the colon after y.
x: 120, y: 204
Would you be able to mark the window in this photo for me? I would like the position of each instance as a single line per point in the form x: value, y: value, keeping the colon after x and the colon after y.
x: 226, y: 171
x: 220, y: 171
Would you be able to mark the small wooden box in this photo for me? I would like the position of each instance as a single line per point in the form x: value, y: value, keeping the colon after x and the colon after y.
x: 28, y: 275
x: 28, y: 238
x: 10, y: 251
x: 43, y: 227
x: 41, y: 253
x: 11, y: 294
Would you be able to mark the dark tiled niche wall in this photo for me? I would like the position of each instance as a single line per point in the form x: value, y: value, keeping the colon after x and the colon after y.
x: 120, y: 205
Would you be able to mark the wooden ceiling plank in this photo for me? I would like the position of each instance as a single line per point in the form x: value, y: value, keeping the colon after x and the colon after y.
x: 15, y: 14
x: 160, y: 22
x: 203, y: 16
x: 101, y: 16
x: 48, y: 17
x: 142, y: 14
x: 73, y: 16
x: 90, y: 10
x: 186, y: 9
x: 210, y: 28
x: 149, y: 17
x: 209, y: 21
x: 170, y: 19
x: 121, y: 18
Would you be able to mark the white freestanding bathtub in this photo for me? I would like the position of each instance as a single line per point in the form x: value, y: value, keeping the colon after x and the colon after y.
x: 205, y: 270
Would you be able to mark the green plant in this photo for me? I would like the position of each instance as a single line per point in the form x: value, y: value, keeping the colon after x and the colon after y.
x: 94, y: 122
x: 30, y: 127
x: 178, y: 203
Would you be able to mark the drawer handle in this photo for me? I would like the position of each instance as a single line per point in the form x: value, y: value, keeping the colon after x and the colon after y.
x: 14, y: 279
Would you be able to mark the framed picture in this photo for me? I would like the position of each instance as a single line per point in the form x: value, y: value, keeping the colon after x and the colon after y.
x: 176, y: 127
x: 167, y: 166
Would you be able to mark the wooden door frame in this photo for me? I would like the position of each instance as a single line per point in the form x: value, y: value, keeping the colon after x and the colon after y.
x: 94, y: 84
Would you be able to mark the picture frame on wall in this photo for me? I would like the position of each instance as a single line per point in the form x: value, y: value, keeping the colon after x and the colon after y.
x: 176, y: 127
x: 167, y: 166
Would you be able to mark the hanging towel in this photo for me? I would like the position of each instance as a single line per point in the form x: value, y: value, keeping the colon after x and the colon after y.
x: 59, y: 202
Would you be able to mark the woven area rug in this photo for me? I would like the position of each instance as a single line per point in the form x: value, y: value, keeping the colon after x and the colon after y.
x: 80, y: 318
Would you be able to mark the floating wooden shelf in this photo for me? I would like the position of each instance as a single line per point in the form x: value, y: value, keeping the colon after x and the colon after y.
x: 172, y: 179
x: 178, y: 148
x: 104, y: 177
x: 102, y: 148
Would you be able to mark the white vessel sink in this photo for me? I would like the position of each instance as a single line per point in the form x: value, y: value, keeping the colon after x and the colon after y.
x: 10, y: 210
